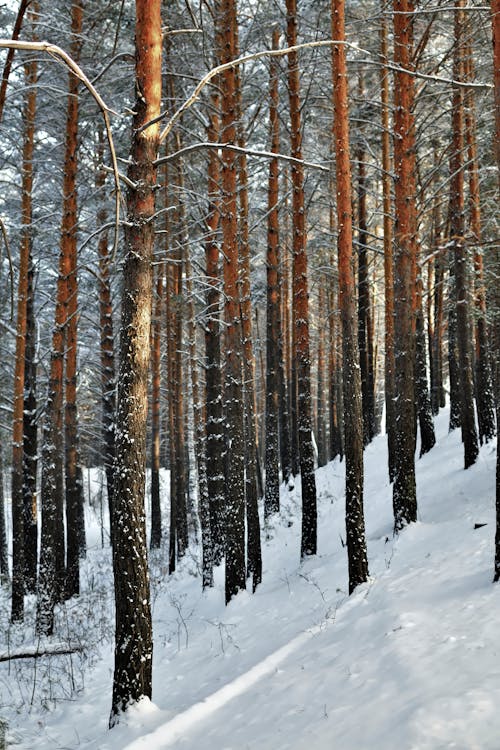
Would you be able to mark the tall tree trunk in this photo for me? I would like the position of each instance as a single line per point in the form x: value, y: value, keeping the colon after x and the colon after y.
x: 364, y: 305
x: 74, y: 496
x: 235, y: 575
x: 155, y: 539
x: 284, y: 354
x: 455, y: 393
x: 457, y: 205
x: 133, y: 638
x: 353, y: 421
x: 172, y: 534
x: 200, y: 438
x: 253, y: 478
x: 435, y: 302
x: 300, y: 301
x: 390, y: 416
x: 30, y: 442
x: 273, y: 319
x: 22, y: 514
x: 4, y: 560
x: 289, y: 335
x: 106, y: 342
x: 321, y: 406
x: 336, y: 409
x: 404, y: 492
x: 214, y: 420
x: 485, y: 400
x: 177, y: 384
x: 180, y: 403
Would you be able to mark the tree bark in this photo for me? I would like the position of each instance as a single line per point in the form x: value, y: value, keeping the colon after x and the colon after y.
x: 457, y: 226
x: 390, y: 416
x: 235, y: 573
x: 133, y: 637
x: 253, y: 478
x: 200, y: 439
x: 106, y: 343
x: 353, y: 416
x: 4, y: 560
x: 364, y: 304
x: 404, y: 490
x: 485, y: 399
x: 22, y: 512
x: 155, y: 539
x: 273, y: 319
x: 300, y: 301
x: 74, y: 496
x: 214, y: 420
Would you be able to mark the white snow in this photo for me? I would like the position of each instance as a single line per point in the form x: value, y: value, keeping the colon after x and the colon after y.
x: 408, y: 662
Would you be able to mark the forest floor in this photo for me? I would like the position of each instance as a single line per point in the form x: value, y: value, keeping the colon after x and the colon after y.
x: 409, y: 662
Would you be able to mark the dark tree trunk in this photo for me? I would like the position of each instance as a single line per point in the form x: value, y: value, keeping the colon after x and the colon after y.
x: 321, y: 406
x: 200, y: 439
x: 21, y: 512
x: 285, y: 440
x: 485, y: 400
x: 106, y: 344
x: 155, y: 539
x: 455, y: 394
x: 273, y: 319
x: 300, y: 301
x: 364, y: 311
x: 214, y: 420
x: 74, y: 496
x: 30, y: 444
x: 390, y: 415
x: 424, y: 411
x: 133, y: 637
x: 457, y: 226
x: 4, y: 561
x: 404, y: 491
x: 353, y: 421
x: 235, y: 575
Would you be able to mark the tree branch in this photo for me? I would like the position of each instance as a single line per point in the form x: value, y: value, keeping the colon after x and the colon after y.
x: 54, y: 51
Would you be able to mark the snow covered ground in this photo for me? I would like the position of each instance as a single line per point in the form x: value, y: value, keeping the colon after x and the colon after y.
x: 409, y: 662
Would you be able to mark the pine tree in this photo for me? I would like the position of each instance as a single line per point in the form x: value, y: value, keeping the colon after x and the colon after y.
x: 133, y: 637
x: 353, y: 417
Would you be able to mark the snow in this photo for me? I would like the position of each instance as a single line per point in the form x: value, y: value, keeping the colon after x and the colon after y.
x: 408, y: 662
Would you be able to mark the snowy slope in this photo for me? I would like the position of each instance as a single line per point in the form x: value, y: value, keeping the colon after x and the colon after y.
x: 409, y: 662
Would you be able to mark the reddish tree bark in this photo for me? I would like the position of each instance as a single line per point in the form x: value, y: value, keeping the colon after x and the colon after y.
x: 353, y: 417
x: 133, y: 637
x: 404, y: 491
x: 22, y: 512
x: 300, y: 302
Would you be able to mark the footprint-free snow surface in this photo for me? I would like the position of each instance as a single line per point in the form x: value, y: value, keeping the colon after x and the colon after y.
x: 409, y: 662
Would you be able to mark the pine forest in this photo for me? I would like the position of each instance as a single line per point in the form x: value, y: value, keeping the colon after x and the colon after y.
x: 250, y: 336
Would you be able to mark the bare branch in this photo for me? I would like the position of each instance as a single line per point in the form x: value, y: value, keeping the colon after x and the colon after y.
x: 238, y: 149
x: 281, y: 53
